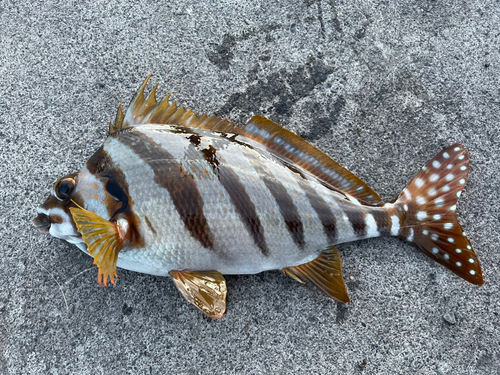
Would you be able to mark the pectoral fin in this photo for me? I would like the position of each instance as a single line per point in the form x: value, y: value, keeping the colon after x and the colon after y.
x: 104, y: 240
x: 204, y: 289
x: 325, y: 272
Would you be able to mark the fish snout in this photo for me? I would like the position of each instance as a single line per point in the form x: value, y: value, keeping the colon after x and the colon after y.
x: 42, y: 222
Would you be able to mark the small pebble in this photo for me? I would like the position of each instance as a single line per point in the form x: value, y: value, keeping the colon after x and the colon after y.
x: 450, y: 318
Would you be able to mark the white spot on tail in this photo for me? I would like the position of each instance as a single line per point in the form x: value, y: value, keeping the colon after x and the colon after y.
x: 456, y: 149
x: 472, y: 272
x: 458, y: 251
x: 445, y: 188
x: 410, y: 237
x: 405, y: 207
x: 371, y: 226
x: 449, y: 177
x: 421, y: 215
x: 451, y: 239
x: 434, y: 177
x: 407, y: 194
x: 436, y: 164
x: 449, y: 166
x: 459, y: 193
x: 436, y: 217
x: 461, y: 157
x: 434, y: 237
x: 446, y: 257
x: 435, y: 250
x: 463, y: 168
x: 432, y: 192
x: 459, y: 264
x: 468, y: 247
x: 421, y: 200
x: 462, y: 181
x: 419, y: 182
x: 471, y: 260
x: 448, y: 226
x: 446, y: 155
x: 395, y: 225
x: 425, y: 232
x: 439, y: 201
x: 389, y: 205
x: 453, y: 208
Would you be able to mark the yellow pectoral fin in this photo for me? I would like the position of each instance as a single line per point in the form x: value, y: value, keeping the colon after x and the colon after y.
x: 204, y: 289
x: 103, y: 241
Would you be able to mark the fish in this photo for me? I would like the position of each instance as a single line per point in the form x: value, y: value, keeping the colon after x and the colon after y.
x: 196, y: 197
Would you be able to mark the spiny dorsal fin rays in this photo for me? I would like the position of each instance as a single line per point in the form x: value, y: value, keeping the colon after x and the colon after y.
x: 148, y: 111
x: 135, y: 109
x: 282, y: 142
x: 151, y: 100
x: 118, y: 121
x: 163, y: 109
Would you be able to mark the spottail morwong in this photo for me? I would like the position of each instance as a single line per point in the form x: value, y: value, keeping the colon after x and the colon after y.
x: 195, y: 197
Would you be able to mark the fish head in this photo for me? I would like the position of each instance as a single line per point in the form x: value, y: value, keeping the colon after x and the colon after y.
x: 96, y: 193
x: 54, y: 216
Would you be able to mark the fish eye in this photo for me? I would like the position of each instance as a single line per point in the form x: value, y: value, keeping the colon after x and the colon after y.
x: 64, y: 188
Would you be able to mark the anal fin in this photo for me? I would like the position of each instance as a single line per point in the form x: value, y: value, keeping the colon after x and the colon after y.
x: 325, y: 272
x: 204, y: 289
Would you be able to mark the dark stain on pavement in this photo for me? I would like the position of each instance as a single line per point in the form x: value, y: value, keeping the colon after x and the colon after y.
x: 279, y: 91
x: 223, y: 54
x: 323, y: 125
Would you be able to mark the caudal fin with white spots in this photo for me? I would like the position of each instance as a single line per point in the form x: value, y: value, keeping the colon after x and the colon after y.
x: 429, y: 204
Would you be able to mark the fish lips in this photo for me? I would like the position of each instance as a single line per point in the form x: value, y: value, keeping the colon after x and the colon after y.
x: 42, y: 222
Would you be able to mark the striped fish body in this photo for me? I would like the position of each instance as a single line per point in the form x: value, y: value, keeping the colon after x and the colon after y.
x: 206, y: 200
x: 196, y: 197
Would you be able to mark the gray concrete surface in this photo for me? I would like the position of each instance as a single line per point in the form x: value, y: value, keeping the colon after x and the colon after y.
x: 381, y: 86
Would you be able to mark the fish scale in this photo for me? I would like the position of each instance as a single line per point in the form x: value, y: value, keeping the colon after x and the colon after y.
x: 248, y: 258
x: 175, y: 193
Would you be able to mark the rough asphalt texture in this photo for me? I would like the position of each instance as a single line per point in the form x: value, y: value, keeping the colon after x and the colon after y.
x: 381, y: 86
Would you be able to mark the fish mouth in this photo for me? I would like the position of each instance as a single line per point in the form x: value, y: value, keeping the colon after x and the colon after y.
x: 42, y: 222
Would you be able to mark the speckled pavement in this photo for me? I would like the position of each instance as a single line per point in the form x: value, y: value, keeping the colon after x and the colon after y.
x: 381, y: 86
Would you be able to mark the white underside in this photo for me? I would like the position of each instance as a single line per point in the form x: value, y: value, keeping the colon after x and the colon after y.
x: 248, y: 269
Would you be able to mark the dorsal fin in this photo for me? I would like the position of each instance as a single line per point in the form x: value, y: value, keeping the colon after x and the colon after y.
x: 282, y: 142
x: 149, y: 111
x: 302, y: 153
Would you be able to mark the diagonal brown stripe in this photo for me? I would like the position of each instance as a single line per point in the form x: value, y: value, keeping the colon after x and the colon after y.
x: 236, y: 190
x: 383, y: 220
x: 118, y: 200
x: 285, y: 202
x: 356, y: 217
x: 323, y: 210
x: 170, y: 175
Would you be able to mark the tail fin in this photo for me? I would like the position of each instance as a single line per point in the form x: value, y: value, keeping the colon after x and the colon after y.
x: 429, y: 202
